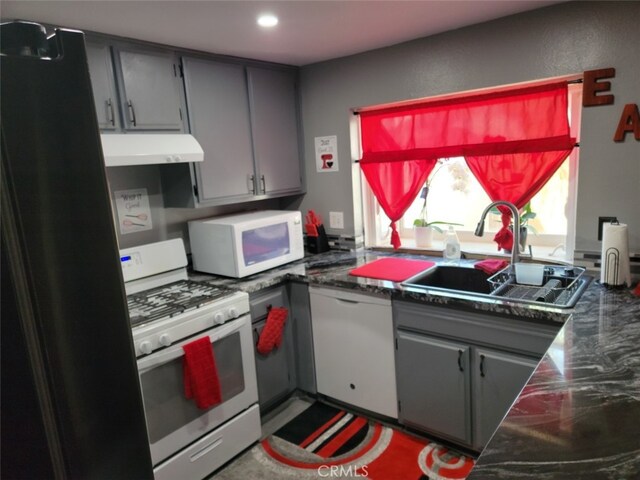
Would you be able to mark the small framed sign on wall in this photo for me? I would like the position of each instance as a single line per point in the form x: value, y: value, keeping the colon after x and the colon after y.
x: 327, y: 154
x: 134, y: 213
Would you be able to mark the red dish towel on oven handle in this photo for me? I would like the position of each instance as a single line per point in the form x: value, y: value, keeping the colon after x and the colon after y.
x: 271, y: 335
x: 201, y: 380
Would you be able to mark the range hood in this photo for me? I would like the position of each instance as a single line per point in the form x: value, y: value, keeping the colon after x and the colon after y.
x: 149, y: 149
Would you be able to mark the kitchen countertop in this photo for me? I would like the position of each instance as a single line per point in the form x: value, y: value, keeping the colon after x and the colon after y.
x: 578, y: 415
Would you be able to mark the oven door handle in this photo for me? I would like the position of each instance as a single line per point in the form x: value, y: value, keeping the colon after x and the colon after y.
x: 165, y: 356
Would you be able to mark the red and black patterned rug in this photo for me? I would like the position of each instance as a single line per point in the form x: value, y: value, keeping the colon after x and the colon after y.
x: 325, y: 442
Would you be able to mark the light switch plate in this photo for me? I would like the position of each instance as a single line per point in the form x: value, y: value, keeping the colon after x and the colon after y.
x: 336, y: 220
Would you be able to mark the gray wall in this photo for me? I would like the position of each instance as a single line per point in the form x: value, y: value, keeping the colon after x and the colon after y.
x: 167, y: 222
x: 559, y: 40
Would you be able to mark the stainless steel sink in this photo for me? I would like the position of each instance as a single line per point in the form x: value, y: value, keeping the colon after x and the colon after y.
x: 562, y: 286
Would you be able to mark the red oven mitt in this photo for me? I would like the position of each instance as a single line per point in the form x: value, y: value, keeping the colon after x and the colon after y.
x: 271, y: 335
x: 200, y: 373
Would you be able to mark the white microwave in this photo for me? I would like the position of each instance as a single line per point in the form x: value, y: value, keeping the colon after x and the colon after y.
x: 247, y: 243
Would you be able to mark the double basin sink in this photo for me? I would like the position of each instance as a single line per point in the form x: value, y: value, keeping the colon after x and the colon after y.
x: 562, y: 286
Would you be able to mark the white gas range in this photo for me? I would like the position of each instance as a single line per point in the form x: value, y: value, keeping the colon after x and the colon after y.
x: 168, y: 311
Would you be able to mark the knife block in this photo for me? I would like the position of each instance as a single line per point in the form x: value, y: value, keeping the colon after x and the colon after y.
x: 320, y: 243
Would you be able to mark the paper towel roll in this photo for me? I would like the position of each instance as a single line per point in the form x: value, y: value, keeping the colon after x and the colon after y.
x: 615, y: 269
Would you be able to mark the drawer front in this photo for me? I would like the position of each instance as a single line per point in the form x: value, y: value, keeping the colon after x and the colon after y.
x: 478, y: 328
x: 262, y: 300
x: 213, y: 450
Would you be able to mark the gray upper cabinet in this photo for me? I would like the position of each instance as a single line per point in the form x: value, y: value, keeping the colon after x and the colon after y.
x: 135, y: 88
x: 274, y: 122
x: 219, y: 119
x: 245, y: 119
x: 150, y: 97
x: 103, y: 84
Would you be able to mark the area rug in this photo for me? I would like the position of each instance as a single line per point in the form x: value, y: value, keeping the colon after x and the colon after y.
x: 325, y: 442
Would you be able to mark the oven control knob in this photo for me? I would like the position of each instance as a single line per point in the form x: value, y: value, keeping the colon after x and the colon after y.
x: 145, y: 347
x: 218, y: 318
x: 165, y: 340
x: 233, y: 312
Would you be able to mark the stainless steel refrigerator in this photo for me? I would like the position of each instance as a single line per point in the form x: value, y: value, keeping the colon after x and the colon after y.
x: 71, y: 403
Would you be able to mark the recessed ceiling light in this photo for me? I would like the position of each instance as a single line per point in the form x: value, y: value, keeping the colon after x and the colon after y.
x: 267, y: 20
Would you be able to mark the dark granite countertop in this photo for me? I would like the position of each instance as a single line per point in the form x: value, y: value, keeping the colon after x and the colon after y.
x: 578, y: 417
x: 332, y: 269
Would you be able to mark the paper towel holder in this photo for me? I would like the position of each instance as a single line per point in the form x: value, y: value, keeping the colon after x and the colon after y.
x: 602, y: 221
x: 610, y: 264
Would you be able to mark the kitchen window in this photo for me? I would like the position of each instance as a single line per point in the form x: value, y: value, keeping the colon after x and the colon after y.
x: 456, y: 196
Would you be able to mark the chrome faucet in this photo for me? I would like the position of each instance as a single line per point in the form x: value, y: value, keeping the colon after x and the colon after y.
x: 515, y: 250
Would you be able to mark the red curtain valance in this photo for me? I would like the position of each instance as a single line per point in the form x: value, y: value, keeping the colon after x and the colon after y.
x: 530, y: 119
x: 502, y: 136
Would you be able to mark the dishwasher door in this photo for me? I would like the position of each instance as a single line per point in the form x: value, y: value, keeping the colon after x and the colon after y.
x: 354, y: 349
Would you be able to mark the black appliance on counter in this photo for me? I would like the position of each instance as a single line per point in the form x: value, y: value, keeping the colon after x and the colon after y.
x: 71, y: 401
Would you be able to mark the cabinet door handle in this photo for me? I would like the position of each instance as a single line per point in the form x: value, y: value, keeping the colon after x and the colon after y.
x: 264, y: 184
x: 460, y: 352
x: 111, y: 119
x: 132, y: 113
x: 252, y: 184
x: 482, y: 365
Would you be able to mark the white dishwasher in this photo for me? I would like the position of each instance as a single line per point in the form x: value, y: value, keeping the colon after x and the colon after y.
x: 354, y: 349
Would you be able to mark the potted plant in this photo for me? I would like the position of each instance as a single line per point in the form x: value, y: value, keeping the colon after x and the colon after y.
x: 526, y: 215
x: 423, y: 228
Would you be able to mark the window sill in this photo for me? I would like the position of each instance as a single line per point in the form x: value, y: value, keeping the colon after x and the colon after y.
x: 480, y: 250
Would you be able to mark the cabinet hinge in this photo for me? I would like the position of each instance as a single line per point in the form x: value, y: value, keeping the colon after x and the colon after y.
x: 195, y: 190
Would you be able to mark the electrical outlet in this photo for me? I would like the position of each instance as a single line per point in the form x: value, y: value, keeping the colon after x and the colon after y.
x: 602, y: 220
x: 336, y: 220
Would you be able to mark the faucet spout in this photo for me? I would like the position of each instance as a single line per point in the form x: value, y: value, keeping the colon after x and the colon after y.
x: 515, y: 250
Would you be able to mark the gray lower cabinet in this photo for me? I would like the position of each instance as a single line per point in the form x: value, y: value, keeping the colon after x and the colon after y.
x: 459, y: 372
x: 498, y: 378
x: 434, y: 387
x: 275, y: 371
x: 303, y: 336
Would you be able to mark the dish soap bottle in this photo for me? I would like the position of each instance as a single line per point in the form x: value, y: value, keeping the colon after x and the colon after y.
x: 451, y: 246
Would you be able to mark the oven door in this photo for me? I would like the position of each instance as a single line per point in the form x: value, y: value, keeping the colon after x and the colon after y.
x: 173, y: 422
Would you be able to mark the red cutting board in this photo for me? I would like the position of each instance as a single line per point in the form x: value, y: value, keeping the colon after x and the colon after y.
x: 393, y: 269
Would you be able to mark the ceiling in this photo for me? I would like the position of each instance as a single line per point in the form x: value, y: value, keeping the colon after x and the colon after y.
x: 309, y: 31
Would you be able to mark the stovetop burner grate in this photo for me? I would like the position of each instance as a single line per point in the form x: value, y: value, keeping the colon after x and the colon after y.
x: 170, y: 300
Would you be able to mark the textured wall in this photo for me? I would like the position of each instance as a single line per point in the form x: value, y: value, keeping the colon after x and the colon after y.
x: 559, y: 40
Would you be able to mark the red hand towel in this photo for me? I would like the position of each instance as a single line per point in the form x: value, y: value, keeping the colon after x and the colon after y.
x: 271, y: 335
x: 491, y: 266
x: 200, y: 373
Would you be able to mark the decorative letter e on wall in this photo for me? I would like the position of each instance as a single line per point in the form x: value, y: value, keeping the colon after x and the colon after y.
x: 630, y: 118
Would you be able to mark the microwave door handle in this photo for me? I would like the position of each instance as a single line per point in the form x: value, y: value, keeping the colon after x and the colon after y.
x: 165, y: 356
